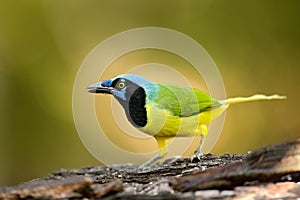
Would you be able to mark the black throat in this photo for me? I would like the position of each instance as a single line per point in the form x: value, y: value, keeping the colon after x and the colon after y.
x: 135, y: 106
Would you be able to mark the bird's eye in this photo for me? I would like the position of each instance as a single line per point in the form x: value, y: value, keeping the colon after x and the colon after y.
x: 121, y: 85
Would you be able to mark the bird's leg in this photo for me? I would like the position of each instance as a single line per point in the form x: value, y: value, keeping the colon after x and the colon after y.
x: 163, y: 150
x: 197, y: 152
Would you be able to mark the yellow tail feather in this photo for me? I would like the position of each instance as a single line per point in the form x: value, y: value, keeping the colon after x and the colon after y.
x: 256, y: 97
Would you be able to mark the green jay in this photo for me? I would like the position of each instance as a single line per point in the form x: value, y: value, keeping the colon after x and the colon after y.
x: 165, y: 110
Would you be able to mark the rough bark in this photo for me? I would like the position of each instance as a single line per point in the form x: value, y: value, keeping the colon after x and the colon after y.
x: 272, y: 172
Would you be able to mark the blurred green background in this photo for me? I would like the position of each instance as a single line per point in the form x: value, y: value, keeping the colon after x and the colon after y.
x: 255, y: 44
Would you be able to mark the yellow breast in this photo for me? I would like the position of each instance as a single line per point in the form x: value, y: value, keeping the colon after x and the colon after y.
x: 162, y: 123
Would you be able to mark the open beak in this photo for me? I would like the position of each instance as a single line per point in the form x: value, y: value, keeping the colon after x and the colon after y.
x: 99, y: 88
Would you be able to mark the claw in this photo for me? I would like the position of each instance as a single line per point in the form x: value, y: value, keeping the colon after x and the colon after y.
x: 172, y: 160
x: 196, y: 157
x: 146, y: 166
x: 142, y: 169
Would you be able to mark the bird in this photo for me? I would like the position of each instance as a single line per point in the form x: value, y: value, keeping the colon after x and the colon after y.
x: 165, y: 110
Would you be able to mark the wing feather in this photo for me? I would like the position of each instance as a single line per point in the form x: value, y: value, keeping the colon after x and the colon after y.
x: 183, y: 101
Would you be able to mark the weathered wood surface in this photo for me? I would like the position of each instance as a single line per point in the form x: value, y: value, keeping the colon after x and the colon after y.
x: 272, y: 172
x: 270, y: 164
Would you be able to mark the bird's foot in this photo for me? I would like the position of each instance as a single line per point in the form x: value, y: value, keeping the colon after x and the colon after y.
x: 143, y: 169
x: 172, y: 160
x: 196, y: 156
x: 146, y: 166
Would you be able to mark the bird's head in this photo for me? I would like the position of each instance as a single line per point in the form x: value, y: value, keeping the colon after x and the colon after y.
x: 131, y: 91
x: 122, y: 87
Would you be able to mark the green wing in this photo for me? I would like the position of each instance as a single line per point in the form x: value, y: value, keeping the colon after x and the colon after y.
x: 183, y: 101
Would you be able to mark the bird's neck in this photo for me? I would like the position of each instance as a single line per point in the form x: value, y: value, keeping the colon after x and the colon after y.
x: 135, y: 107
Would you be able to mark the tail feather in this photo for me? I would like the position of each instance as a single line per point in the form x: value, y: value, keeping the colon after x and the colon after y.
x: 256, y: 97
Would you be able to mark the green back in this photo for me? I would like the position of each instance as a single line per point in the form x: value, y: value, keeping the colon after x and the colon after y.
x: 183, y: 101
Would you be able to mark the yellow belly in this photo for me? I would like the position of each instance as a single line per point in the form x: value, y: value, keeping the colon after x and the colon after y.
x: 162, y: 123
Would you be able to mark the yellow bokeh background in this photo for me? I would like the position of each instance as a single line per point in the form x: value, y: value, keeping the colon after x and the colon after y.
x: 255, y: 44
